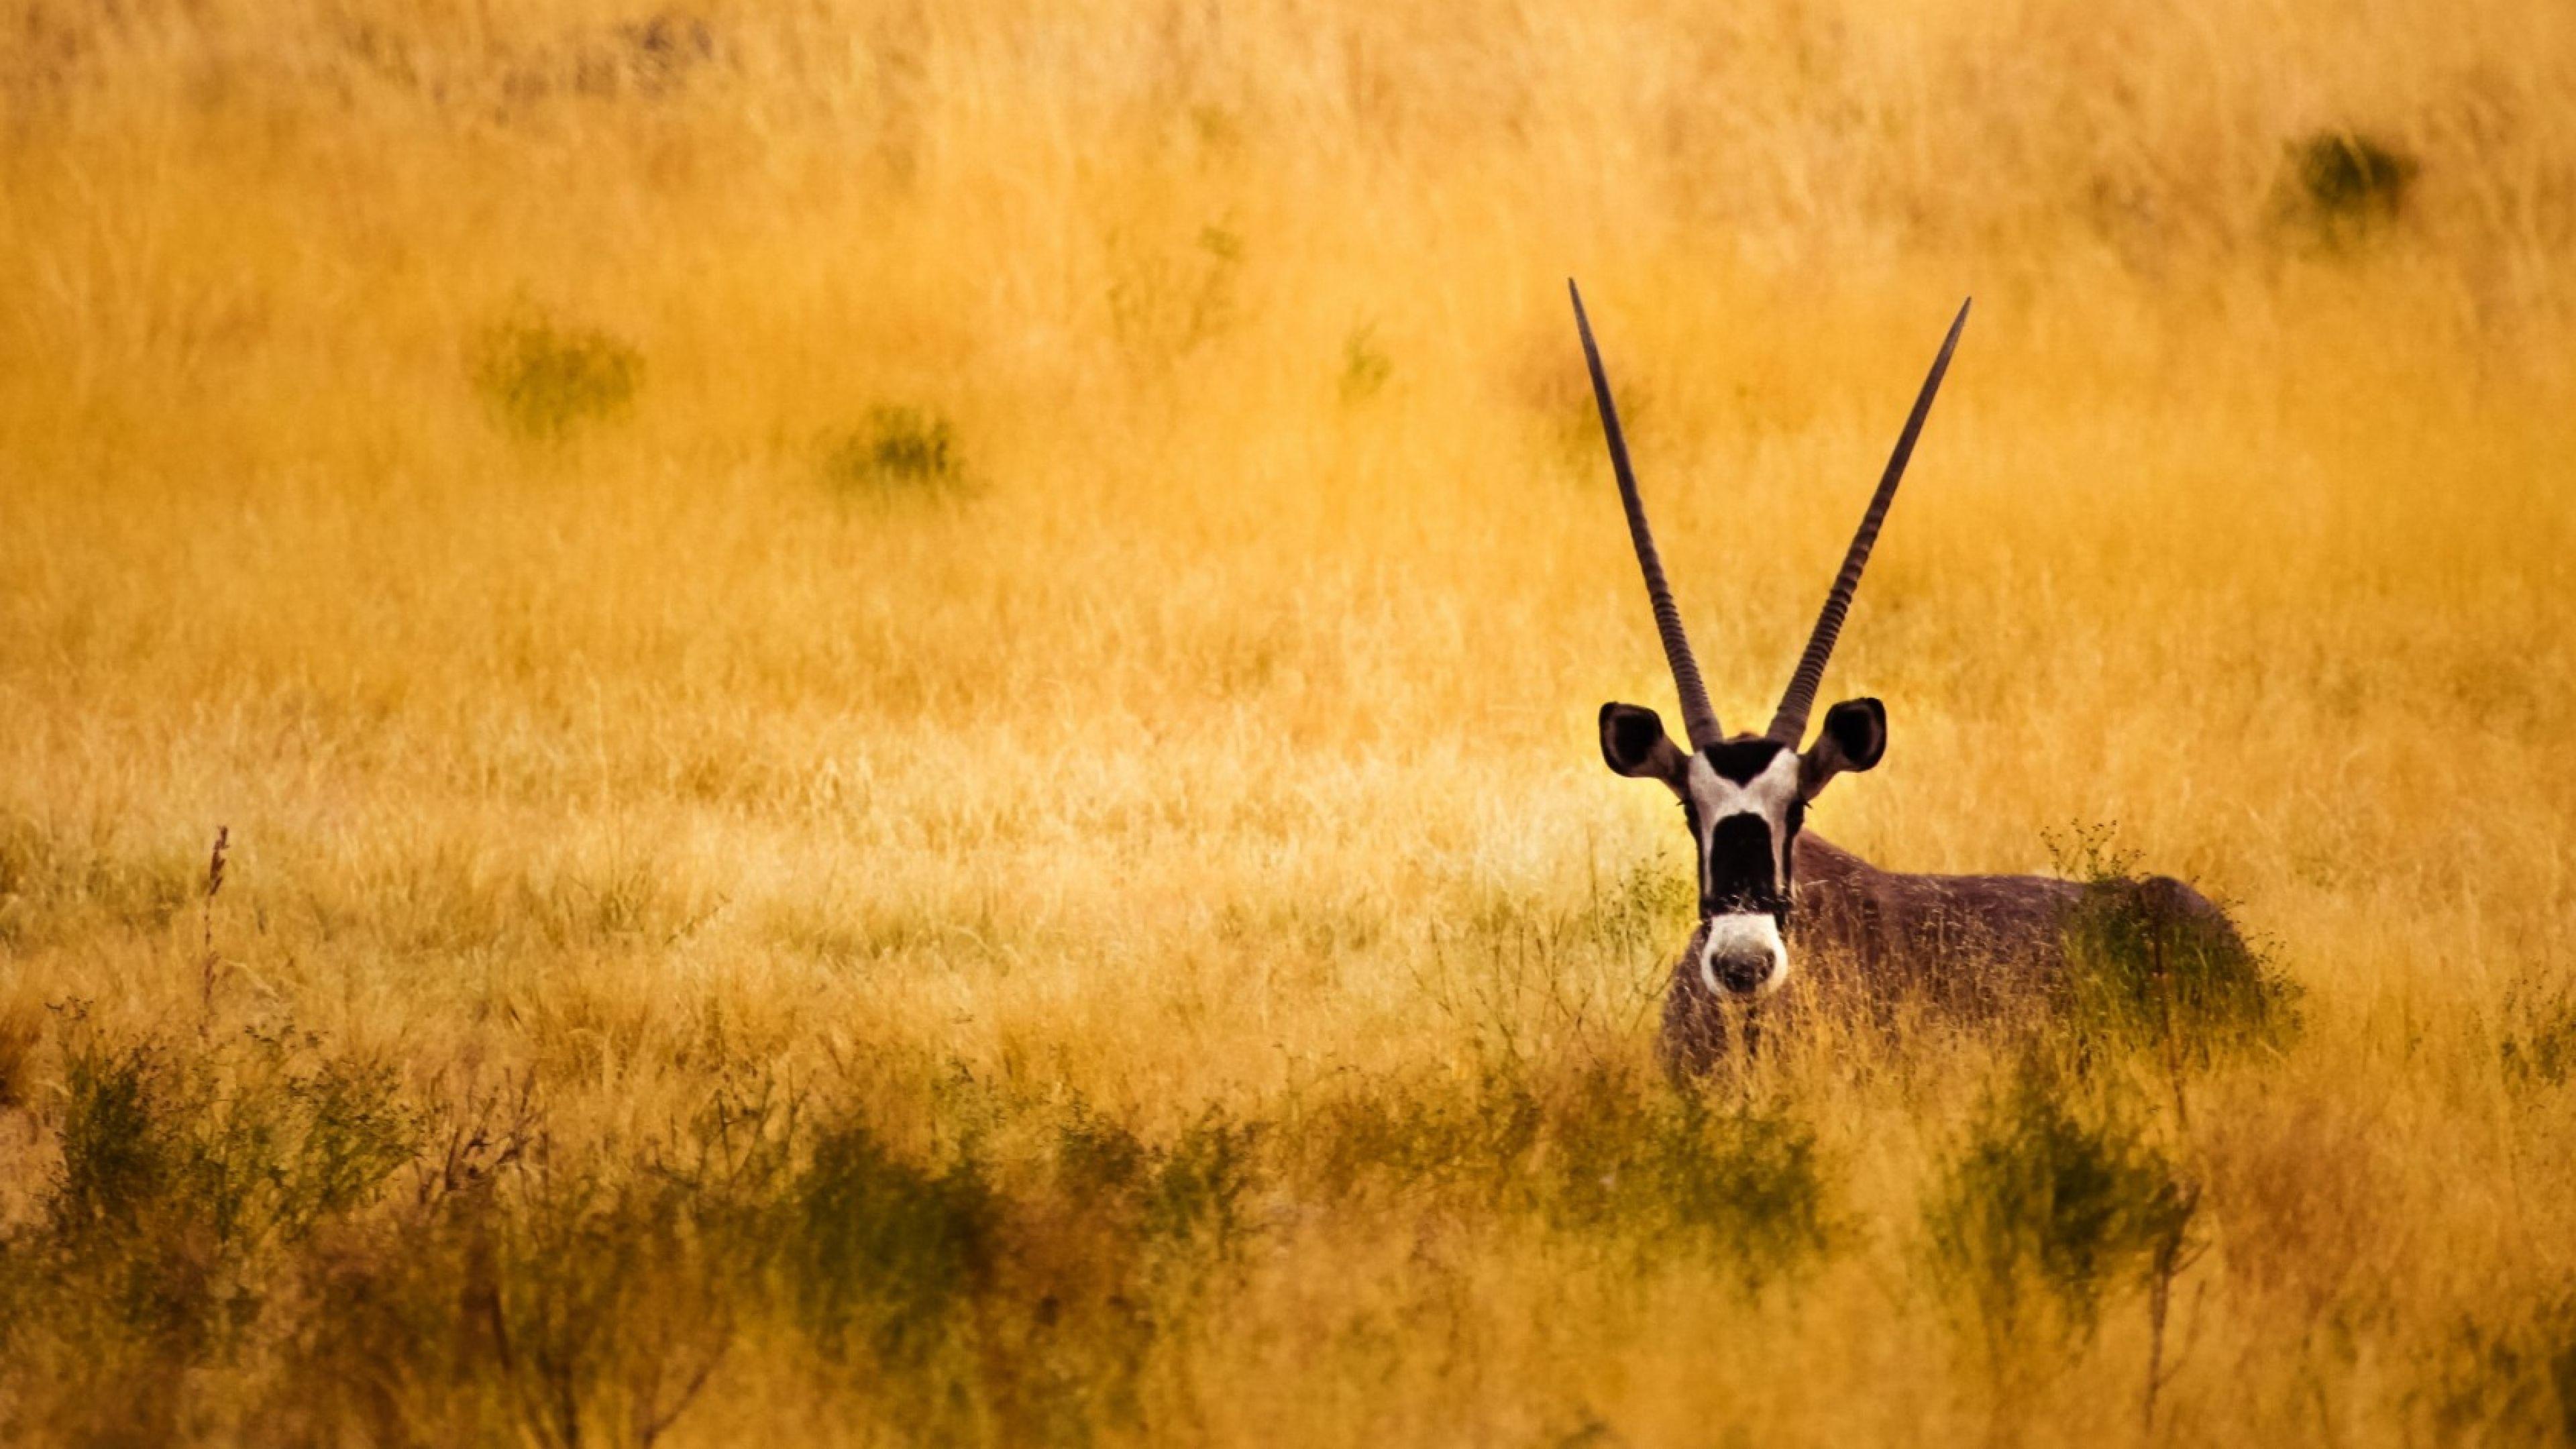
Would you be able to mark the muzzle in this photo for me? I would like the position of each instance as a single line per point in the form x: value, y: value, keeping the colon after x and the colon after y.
x: 1743, y: 955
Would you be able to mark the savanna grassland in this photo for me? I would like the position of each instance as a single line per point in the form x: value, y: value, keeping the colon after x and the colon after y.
x: 902, y: 703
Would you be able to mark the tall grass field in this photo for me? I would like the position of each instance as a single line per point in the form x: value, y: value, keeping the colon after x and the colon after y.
x: 872, y: 723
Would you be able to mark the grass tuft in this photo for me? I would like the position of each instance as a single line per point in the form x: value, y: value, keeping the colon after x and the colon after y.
x: 885, y: 1249
x: 1153, y: 956
x: 2049, y: 1205
x: 900, y: 451
x: 1365, y: 366
x: 2345, y: 185
x: 543, y: 381
x: 2150, y: 965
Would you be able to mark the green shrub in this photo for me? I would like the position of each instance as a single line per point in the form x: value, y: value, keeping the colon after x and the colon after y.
x: 246, y: 1142
x: 2344, y: 185
x: 1196, y: 1192
x: 2539, y: 1047
x: 1672, y: 1175
x: 552, y: 1308
x: 349, y: 1132
x: 1365, y: 366
x: 2148, y: 965
x: 1652, y: 905
x: 2144, y: 970
x: 183, y: 1174
x: 2042, y: 1212
x: 1096, y: 1158
x: 118, y: 1152
x: 2506, y: 1372
x: 542, y: 382
x: 884, y: 1246
x: 1607, y: 1160
x: 900, y: 451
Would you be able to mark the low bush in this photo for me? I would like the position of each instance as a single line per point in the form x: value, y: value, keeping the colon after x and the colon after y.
x: 2150, y: 964
x: 543, y: 382
x: 899, y: 451
x: 2344, y: 185
x: 2049, y: 1205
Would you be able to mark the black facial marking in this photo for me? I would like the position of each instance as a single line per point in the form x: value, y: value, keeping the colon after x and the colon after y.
x: 1789, y: 856
x: 1741, y: 760
x: 1737, y: 874
x: 1739, y: 869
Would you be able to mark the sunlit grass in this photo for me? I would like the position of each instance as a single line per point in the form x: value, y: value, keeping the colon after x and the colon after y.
x: 904, y: 699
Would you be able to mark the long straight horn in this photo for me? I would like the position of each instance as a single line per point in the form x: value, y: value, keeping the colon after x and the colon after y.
x: 1790, y: 724
x: 1697, y: 718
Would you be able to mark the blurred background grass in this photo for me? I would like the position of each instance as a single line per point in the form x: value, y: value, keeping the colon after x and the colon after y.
x: 1022, y: 589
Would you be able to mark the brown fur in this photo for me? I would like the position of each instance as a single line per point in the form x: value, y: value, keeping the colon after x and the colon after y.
x: 1975, y: 945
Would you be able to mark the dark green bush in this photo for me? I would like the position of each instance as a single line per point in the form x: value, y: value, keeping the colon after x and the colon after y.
x: 2145, y: 968
x: 183, y: 1171
x: 2043, y: 1212
x: 247, y: 1143
x: 552, y: 1308
x: 899, y: 451
x: 1197, y: 1189
x: 1675, y: 1176
x: 2506, y: 1372
x: 1166, y: 302
x: 2539, y: 1047
x: 228, y: 1204
x: 1609, y: 1160
x: 884, y: 1246
x: 118, y: 1156
x: 2344, y: 185
x: 2150, y: 965
x: 542, y: 382
x: 1097, y: 1158
x: 1365, y: 366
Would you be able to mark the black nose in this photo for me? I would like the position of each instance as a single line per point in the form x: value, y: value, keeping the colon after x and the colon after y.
x: 1741, y: 973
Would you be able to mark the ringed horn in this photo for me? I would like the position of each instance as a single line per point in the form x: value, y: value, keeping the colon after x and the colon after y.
x: 1697, y: 717
x: 1789, y: 725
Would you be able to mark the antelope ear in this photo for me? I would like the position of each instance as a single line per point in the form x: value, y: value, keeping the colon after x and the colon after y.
x: 1633, y: 742
x: 1854, y: 736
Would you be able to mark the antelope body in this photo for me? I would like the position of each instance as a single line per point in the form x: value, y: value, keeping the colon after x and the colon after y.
x: 1771, y: 894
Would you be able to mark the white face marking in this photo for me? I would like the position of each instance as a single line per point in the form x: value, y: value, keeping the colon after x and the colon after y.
x: 1754, y: 935
x: 1749, y: 936
x: 1767, y: 795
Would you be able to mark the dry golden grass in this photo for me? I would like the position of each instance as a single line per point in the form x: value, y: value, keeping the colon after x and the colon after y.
x: 1143, y: 849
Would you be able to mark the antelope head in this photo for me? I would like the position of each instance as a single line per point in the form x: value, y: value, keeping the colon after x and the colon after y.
x: 1745, y: 796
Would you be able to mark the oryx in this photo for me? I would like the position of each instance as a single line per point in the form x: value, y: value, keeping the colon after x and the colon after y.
x: 1770, y: 893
